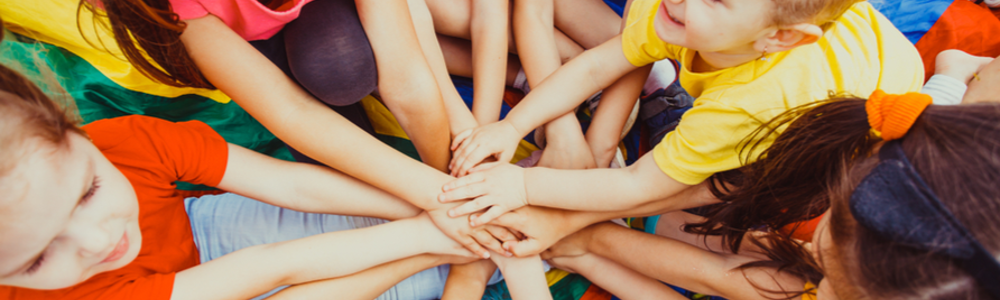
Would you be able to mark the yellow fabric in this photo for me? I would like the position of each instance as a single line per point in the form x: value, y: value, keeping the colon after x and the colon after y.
x: 554, y: 275
x: 59, y: 27
x: 640, y: 43
x: 810, y: 291
x: 861, y: 53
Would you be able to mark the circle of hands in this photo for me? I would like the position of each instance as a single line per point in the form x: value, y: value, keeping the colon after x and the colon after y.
x: 486, y: 207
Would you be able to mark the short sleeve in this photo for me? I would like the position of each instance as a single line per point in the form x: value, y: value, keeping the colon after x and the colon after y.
x: 640, y: 44
x: 186, y: 151
x: 188, y: 9
x: 705, y: 142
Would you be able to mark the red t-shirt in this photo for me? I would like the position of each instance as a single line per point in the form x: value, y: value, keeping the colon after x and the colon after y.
x: 152, y: 154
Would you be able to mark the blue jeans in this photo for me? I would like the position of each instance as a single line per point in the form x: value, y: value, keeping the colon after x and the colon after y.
x: 225, y: 223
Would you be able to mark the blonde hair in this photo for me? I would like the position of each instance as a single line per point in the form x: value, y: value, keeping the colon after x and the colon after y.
x: 819, y: 12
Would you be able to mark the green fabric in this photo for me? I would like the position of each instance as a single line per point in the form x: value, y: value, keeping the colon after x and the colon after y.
x: 97, y: 97
x: 571, y: 287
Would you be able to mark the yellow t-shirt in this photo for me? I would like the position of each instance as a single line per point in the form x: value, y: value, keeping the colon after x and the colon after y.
x: 860, y: 53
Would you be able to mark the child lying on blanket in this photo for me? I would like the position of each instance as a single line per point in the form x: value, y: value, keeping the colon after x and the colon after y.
x: 903, y: 213
x: 92, y: 213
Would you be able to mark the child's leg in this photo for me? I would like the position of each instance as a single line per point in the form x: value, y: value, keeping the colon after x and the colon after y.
x: 225, y: 223
x: 458, y: 57
x: 588, y: 22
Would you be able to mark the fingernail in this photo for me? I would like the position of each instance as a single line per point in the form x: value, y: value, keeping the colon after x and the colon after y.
x: 472, y: 224
x: 486, y: 255
x: 472, y: 218
x: 508, y: 254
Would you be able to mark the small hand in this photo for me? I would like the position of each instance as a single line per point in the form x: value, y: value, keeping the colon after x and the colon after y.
x: 567, y: 156
x: 458, y: 229
x: 438, y: 242
x: 540, y: 226
x: 571, y: 246
x: 498, y: 186
x: 498, y: 140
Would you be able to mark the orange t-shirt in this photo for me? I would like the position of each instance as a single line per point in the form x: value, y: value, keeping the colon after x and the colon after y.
x: 153, y: 154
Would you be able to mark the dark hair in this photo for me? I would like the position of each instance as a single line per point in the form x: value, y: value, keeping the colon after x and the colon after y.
x: 818, y: 161
x: 148, y: 34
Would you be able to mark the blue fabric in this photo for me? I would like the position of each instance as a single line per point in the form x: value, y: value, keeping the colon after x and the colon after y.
x: 913, y: 17
x: 225, y: 223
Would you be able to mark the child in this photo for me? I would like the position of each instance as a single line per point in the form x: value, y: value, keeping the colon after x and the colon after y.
x: 100, y: 218
x: 745, y: 63
x: 902, y: 214
x: 204, y: 43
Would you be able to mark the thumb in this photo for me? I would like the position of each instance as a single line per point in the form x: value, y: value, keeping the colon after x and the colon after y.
x: 528, y: 247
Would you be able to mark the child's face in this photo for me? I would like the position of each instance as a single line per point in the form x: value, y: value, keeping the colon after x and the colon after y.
x: 67, y: 214
x: 723, y: 26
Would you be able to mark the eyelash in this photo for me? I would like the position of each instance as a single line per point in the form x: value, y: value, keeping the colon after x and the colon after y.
x: 93, y: 189
x: 86, y: 198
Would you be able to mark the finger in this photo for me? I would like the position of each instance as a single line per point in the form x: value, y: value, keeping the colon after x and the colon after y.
x: 463, y: 181
x: 506, y: 156
x: 486, y: 240
x: 484, y: 167
x: 460, y: 138
x: 461, y: 158
x: 492, y: 213
x: 512, y: 220
x: 500, y: 233
x: 468, y: 192
x: 475, y: 157
x: 472, y: 245
x: 546, y: 255
x: 526, y: 247
x: 468, y: 208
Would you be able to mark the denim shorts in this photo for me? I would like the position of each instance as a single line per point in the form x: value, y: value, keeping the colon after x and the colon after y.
x: 228, y: 222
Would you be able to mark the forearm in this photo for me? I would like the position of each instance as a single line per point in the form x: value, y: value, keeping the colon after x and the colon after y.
x: 570, y: 85
x: 716, y: 274
x: 609, y: 120
x: 525, y: 277
x: 489, y: 58
x: 406, y: 82
x: 468, y: 281
x: 459, y: 116
x: 622, y: 282
x: 364, y: 285
x: 300, y: 120
x: 254, y: 270
x: 600, y: 189
x: 535, y: 39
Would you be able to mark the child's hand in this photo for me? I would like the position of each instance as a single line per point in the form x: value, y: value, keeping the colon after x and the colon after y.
x: 472, y: 147
x: 473, y: 239
x: 959, y: 65
x: 570, y: 246
x: 540, y: 226
x: 498, y: 186
x: 437, y: 242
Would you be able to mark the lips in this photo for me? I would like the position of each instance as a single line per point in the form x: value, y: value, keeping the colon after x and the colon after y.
x: 671, y: 16
x: 120, y: 249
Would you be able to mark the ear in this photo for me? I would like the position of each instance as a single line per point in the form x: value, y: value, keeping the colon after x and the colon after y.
x: 789, y: 37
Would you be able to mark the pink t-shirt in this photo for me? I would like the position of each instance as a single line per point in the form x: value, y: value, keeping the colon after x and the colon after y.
x: 248, y: 18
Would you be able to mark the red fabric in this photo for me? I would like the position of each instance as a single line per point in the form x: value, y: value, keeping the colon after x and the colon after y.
x: 802, y: 231
x: 595, y: 292
x: 964, y: 26
x: 152, y: 154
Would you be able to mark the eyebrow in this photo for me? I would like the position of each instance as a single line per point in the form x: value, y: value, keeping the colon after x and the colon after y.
x: 86, y: 188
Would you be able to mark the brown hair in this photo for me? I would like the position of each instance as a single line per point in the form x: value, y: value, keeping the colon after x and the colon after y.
x: 819, y: 12
x: 817, y: 162
x: 148, y: 33
x: 25, y: 111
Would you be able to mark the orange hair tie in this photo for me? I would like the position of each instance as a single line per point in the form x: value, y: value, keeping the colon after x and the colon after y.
x: 893, y: 115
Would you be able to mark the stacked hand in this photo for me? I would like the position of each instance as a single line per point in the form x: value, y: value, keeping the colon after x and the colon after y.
x: 472, y: 147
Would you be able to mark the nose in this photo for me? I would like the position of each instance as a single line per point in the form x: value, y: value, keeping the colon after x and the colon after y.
x: 91, y: 238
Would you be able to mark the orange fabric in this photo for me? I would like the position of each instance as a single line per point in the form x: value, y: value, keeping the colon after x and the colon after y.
x: 802, y: 231
x: 892, y: 115
x: 152, y: 154
x: 595, y: 292
x: 965, y: 26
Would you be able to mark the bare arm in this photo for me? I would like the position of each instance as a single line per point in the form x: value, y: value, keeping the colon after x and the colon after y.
x: 622, y: 282
x: 468, y: 281
x: 364, y: 285
x: 251, y: 271
x: 308, y: 188
x: 289, y: 112
x: 525, y: 277
x: 685, y: 265
x: 489, y: 58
